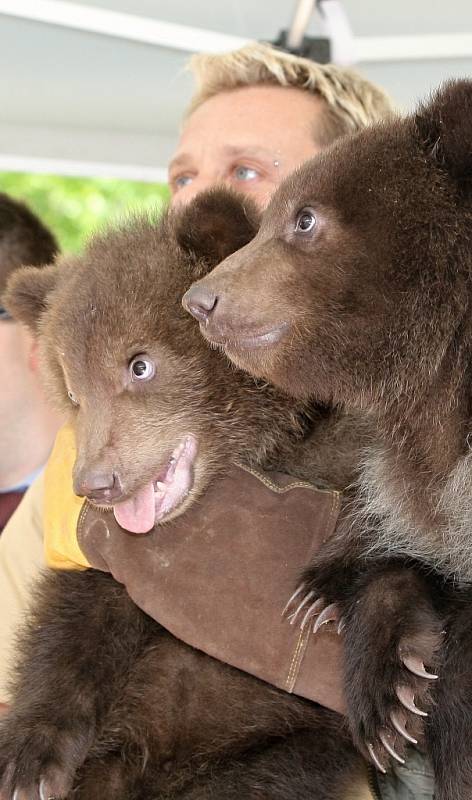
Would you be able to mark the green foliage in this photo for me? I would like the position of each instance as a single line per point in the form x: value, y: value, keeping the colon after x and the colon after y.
x: 73, y: 208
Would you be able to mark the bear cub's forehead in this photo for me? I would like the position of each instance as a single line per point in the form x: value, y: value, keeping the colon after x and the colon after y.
x: 115, y: 317
x: 352, y: 167
x: 123, y: 276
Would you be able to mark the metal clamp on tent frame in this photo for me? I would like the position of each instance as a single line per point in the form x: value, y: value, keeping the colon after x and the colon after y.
x: 295, y: 41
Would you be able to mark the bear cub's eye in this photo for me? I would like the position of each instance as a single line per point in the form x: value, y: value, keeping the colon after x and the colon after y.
x: 72, y: 398
x: 142, y: 368
x: 306, y: 221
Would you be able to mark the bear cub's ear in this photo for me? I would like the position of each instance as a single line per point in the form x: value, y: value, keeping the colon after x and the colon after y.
x: 26, y: 294
x: 214, y: 225
x: 445, y: 128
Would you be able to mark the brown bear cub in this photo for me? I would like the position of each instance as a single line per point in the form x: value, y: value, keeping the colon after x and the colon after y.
x: 357, y: 290
x: 107, y: 703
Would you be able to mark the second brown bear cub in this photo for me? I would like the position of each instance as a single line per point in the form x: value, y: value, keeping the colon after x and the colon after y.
x: 107, y: 704
x: 357, y: 290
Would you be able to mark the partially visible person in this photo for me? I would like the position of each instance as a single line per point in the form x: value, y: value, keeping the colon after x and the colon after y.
x: 258, y: 113
x: 27, y: 424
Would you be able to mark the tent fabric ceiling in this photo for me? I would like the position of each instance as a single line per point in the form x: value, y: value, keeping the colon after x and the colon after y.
x: 110, y: 104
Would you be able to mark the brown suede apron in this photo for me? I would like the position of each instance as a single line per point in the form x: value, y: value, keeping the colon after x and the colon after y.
x: 218, y: 577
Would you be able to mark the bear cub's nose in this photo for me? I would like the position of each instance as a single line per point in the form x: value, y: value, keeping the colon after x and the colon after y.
x: 200, y: 302
x: 100, y: 486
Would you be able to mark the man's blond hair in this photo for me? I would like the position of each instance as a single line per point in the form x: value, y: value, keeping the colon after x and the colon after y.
x: 352, y: 101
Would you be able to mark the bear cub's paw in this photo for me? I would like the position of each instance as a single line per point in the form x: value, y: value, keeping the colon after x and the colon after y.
x: 393, y: 642
x: 38, y: 760
x: 389, y: 693
x: 323, y: 596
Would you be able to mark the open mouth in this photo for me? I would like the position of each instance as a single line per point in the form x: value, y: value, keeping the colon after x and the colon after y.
x: 158, y: 498
x: 246, y: 339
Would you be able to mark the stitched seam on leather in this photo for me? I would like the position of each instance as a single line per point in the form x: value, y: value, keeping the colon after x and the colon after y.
x: 290, y: 680
x: 296, y: 484
x: 83, y: 513
x: 300, y: 648
x: 297, y: 659
x: 334, y: 510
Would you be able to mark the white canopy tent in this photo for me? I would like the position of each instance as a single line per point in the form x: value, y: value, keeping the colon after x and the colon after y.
x: 99, y: 88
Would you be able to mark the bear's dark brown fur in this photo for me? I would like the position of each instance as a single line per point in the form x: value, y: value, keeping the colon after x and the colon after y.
x: 357, y: 290
x: 106, y: 701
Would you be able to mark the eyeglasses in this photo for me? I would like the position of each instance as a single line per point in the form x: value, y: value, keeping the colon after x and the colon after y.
x: 4, y: 313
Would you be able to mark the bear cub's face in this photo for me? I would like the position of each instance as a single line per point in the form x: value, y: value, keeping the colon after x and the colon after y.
x: 155, y: 411
x: 354, y: 285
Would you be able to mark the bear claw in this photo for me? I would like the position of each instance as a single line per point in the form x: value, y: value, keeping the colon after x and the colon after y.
x: 375, y: 759
x: 301, y: 605
x: 318, y: 608
x: 329, y: 614
x: 398, y: 720
x: 416, y: 666
x: 314, y: 609
x: 407, y: 699
x: 45, y: 792
x: 384, y: 738
x: 291, y: 599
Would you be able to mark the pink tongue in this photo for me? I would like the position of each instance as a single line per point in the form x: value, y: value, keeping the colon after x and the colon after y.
x: 137, y: 514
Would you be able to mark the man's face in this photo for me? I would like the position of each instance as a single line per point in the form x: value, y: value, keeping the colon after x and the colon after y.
x: 248, y: 138
x: 16, y: 364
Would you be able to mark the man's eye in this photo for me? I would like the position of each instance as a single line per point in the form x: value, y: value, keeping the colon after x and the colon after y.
x: 181, y: 180
x: 242, y: 173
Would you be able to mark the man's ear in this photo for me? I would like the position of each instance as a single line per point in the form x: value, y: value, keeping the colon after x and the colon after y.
x: 445, y: 128
x: 26, y: 294
x: 214, y: 225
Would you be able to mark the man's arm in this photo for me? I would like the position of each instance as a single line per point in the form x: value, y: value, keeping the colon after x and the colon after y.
x: 21, y: 559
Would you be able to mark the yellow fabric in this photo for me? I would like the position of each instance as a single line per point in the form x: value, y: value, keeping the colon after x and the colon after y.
x: 21, y: 562
x: 62, y: 507
x: 366, y: 794
x: 359, y: 788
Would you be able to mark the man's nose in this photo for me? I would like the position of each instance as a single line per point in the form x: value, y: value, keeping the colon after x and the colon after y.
x: 99, y: 485
x: 200, y: 302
